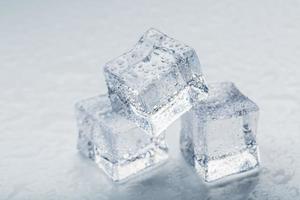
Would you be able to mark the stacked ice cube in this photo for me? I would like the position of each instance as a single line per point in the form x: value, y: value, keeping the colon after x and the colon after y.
x: 150, y: 87
x: 155, y: 82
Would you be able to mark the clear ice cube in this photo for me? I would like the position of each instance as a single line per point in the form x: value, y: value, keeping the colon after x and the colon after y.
x: 218, y: 135
x: 155, y: 82
x: 117, y: 145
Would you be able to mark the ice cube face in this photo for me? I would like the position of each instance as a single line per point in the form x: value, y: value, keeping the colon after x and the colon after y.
x: 155, y: 82
x: 117, y: 145
x: 218, y: 135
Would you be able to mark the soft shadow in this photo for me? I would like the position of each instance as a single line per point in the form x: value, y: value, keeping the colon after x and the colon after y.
x: 234, y: 188
x: 174, y: 180
x: 177, y: 180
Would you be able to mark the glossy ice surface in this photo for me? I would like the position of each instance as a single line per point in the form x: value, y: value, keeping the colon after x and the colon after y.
x: 117, y: 145
x: 218, y: 135
x: 155, y: 82
x: 51, y: 53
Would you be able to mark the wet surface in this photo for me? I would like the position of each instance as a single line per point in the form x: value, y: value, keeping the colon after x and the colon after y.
x: 52, y: 53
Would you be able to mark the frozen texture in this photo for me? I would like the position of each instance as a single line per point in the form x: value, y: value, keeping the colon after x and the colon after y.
x: 219, y: 134
x: 50, y: 57
x: 116, y: 144
x: 155, y: 82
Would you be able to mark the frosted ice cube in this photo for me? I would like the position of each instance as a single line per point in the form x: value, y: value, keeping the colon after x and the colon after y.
x: 154, y: 83
x: 117, y: 145
x: 218, y: 135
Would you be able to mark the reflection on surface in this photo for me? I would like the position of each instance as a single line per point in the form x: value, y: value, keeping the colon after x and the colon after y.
x: 239, y: 187
x: 177, y: 180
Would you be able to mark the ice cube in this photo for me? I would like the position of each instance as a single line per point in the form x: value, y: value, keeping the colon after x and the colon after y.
x: 218, y: 135
x: 155, y: 82
x: 117, y: 145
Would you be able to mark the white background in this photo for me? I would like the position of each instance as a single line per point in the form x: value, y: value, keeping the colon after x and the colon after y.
x: 52, y: 54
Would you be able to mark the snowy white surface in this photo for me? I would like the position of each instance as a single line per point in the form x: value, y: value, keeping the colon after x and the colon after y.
x: 52, y: 53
